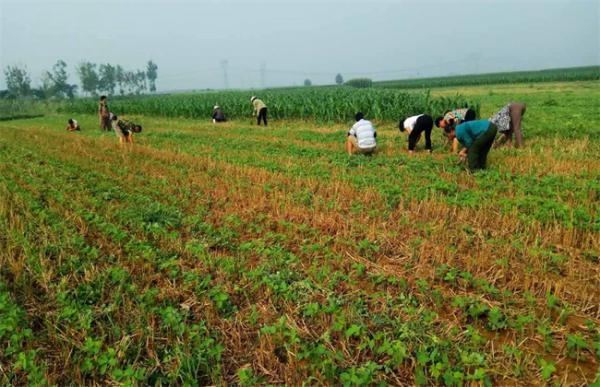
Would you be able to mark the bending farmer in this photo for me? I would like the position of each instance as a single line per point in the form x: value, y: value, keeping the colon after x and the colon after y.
x: 415, y: 126
x: 260, y: 110
x: 508, y: 120
x: 452, y: 118
x: 125, y: 129
x: 477, y: 138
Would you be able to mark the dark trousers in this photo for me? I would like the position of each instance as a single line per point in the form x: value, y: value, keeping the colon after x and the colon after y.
x: 262, y: 115
x: 517, y: 110
x: 478, y: 152
x: 423, y: 124
x: 470, y: 115
x: 105, y: 123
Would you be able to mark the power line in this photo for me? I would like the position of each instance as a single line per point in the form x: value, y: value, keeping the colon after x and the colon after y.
x: 224, y: 64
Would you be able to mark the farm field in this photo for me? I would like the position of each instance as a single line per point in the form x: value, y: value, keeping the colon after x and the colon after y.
x: 233, y: 254
x: 588, y: 73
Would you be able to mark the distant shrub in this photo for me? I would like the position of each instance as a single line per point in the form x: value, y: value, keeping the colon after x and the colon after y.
x: 359, y: 82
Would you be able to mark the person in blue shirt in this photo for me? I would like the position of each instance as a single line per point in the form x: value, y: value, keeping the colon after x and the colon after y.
x: 477, y: 138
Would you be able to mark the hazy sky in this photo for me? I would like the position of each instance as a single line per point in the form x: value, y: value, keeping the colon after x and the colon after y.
x: 295, y: 40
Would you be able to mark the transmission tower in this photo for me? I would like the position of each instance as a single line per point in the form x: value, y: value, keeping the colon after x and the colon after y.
x: 224, y: 64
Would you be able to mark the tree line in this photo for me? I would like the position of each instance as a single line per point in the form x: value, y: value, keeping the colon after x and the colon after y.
x: 94, y: 79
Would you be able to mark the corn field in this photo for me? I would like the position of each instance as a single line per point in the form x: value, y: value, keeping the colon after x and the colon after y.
x: 328, y: 104
x: 589, y: 73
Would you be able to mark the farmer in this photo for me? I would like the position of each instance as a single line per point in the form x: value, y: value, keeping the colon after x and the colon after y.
x: 455, y: 117
x: 125, y: 129
x: 218, y: 115
x: 508, y: 120
x: 361, y: 137
x: 260, y: 110
x: 452, y: 118
x: 415, y: 126
x: 477, y: 138
x: 73, y: 125
x: 104, y: 114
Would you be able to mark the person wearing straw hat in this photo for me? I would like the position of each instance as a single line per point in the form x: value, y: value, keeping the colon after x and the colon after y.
x: 260, y: 110
x: 218, y: 115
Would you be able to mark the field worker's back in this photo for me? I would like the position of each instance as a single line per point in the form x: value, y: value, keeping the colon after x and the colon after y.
x: 364, y: 132
x: 409, y: 123
x: 258, y: 104
x: 467, y: 132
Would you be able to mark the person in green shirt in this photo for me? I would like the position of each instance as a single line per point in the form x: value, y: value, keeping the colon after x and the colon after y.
x: 477, y: 138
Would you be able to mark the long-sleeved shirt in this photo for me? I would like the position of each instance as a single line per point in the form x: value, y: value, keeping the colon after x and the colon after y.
x: 258, y: 104
x: 467, y: 132
x: 365, y: 134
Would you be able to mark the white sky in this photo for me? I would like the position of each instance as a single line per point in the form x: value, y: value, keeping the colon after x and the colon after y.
x: 297, y: 40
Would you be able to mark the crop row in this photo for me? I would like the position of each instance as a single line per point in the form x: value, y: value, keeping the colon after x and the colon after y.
x: 335, y: 104
x: 214, y: 277
x: 551, y: 75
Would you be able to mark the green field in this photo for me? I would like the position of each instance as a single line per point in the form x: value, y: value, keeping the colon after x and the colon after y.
x: 551, y: 75
x: 236, y: 254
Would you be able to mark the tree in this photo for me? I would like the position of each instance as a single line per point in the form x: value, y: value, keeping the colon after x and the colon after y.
x: 339, y: 79
x: 54, y: 84
x: 307, y: 82
x: 140, y: 81
x: 108, y: 78
x: 18, y: 82
x: 120, y: 78
x: 46, y: 89
x: 89, y: 77
x: 129, y: 81
x: 151, y: 73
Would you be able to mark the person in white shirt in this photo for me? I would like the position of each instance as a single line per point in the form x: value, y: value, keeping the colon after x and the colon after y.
x: 73, y: 125
x: 361, y: 137
x: 415, y: 126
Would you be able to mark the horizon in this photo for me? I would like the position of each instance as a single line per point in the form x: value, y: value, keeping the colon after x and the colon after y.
x: 294, y: 43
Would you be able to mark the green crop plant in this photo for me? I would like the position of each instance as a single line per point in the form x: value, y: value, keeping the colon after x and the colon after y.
x: 551, y: 75
x: 237, y: 255
x: 321, y: 104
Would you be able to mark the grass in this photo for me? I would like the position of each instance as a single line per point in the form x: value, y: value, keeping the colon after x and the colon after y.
x: 235, y: 254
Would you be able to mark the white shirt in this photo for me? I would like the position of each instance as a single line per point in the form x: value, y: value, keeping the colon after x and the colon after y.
x: 75, y: 123
x: 409, y: 123
x: 364, y: 132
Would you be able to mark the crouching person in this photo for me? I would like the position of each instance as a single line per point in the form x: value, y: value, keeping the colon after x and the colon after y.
x: 218, y: 115
x: 124, y: 129
x: 477, y: 138
x: 361, y: 137
x: 73, y: 125
x: 415, y: 126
